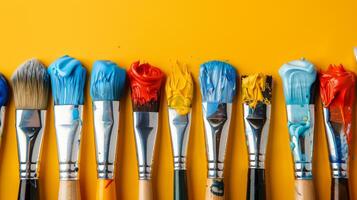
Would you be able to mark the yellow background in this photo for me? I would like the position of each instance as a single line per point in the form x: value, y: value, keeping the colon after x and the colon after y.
x: 254, y: 36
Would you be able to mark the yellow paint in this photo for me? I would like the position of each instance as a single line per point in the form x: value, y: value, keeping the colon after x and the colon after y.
x: 252, y: 90
x: 106, y: 189
x: 179, y: 89
x: 254, y: 36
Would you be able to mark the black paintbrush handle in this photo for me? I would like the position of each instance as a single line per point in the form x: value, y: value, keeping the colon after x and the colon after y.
x: 28, y: 190
x: 256, y: 184
x: 339, y: 189
x: 180, y: 185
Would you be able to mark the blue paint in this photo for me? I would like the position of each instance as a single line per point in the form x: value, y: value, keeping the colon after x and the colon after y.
x: 4, y: 91
x: 68, y: 78
x: 298, y: 77
x: 107, y: 81
x: 218, y: 82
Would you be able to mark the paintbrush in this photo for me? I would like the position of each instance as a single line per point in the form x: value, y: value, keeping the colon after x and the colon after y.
x: 218, y: 88
x: 68, y: 79
x: 4, y: 97
x: 299, y: 78
x: 31, y: 86
x: 106, y: 87
x: 179, y: 93
x: 337, y: 90
x: 256, y: 92
x: 145, y: 85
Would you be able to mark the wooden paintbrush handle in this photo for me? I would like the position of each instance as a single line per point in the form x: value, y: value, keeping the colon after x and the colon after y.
x: 256, y: 184
x: 69, y: 190
x: 145, y: 190
x: 304, y: 190
x: 339, y: 189
x: 214, y: 189
x: 106, y: 189
x: 180, y: 185
x: 28, y: 190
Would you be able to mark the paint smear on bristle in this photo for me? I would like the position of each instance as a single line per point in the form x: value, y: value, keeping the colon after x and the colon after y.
x: 299, y: 78
x: 145, y: 84
x: 256, y: 88
x: 179, y: 89
x: 218, y: 82
x: 68, y: 78
x: 107, y: 81
x: 4, y: 91
x: 337, y: 90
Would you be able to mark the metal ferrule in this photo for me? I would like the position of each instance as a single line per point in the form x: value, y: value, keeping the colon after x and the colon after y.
x: 216, y: 118
x: 68, y: 124
x: 30, y: 125
x: 145, y: 129
x: 2, y: 119
x: 256, y: 125
x: 301, y: 119
x: 338, y: 146
x: 180, y: 131
x: 106, y: 126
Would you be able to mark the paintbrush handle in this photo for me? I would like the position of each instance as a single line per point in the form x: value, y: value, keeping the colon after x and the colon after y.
x: 28, y: 190
x: 256, y: 184
x: 145, y: 190
x: 106, y: 189
x: 304, y: 190
x: 214, y: 189
x: 339, y: 189
x: 69, y: 190
x: 180, y: 185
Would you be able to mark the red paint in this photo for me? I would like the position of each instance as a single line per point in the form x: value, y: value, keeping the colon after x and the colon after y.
x: 337, y: 90
x: 145, y: 82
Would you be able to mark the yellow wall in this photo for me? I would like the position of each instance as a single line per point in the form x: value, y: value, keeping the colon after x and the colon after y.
x: 254, y: 36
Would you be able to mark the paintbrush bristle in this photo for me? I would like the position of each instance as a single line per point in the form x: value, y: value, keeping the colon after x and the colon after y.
x: 68, y: 78
x: 4, y: 91
x: 107, y: 81
x: 31, y: 86
x: 256, y: 89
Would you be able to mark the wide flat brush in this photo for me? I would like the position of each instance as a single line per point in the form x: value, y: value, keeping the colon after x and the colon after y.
x: 4, y: 97
x: 256, y: 92
x: 299, y: 78
x: 337, y: 90
x: 106, y: 87
x: 145, y: 85
x: 218, y: 88
x: 31, y: 86
x: 179, y: 92
x: 68, y: 78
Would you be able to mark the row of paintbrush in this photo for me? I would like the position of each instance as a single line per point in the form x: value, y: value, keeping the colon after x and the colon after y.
x: 31, y: 87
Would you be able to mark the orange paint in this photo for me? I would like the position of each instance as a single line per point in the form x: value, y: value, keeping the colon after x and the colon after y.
x: 337, y: 90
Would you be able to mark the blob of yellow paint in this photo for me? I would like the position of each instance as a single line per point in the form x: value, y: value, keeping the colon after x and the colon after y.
x: 179, y: 89
x: 252, y: 89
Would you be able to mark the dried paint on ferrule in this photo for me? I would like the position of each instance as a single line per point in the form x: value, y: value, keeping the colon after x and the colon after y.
x: 2, y: 119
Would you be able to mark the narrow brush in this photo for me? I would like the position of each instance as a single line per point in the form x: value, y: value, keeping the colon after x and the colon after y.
x: 68, y: 79
x: 256, y: 92
x: 4, y: 97
x: 218, y: 88
x: 106, y: 86
x: 337, y: 89
x: 299, y: 78
x: 145, y: 85
x: 179, y: 92
x: 31, y: 86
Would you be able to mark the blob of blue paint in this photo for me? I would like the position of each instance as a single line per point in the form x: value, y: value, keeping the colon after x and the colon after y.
x: 68, y: 78
x: 4, y: 91
x: 107, y: 81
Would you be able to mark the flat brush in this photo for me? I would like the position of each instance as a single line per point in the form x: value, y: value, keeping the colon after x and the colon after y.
x: 145, y: 85
x: 218, y: 88
x: 256, y: 92
x: 106, y: 87
x: 31, y: 86
x: 337, y: 90
x: 4, y: 97
x: 299, y: 78
x: 68, y: 79
x: 179, y: 92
